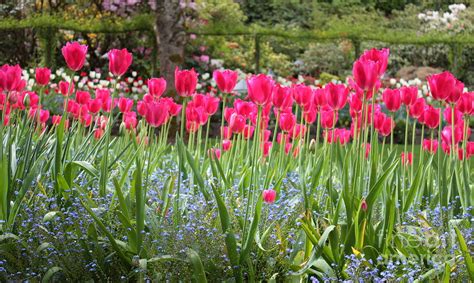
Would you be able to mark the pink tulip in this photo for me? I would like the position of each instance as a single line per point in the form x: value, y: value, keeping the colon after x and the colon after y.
x: 157, y: 113
x: 363, y: 205
x: 10, y: 78
x: 260, y: 89
x: 303, y: 95
x: 225, y: 80
x: 245, y: 108
x: 365, y: 74
x: 417, y: 108
x: 282, y: 97
x: 226, y: 144
x: 185, y: 82
x: 431, y: 117
x: 215, y: 153
x: 269, y: 196
x: 469, y: 149
x: 391, y: 98
x: 355, y: 104
x: 407, y: 158
x: 64, y: 88
x: 448, y: 115
x: 266, y: 146
x: 125, y: 104
x: 387, y: 126
x: 328, y: 119
x: 336, y: 95
x: 409, y: 95
x: 226, y: 132
x: 248, y: 131
x: 42, y: 76
x: 75, y: 55
x: 287, y: 122
x: 83, y: 97
x: 310, y: 115
x: 119, y: 61
x: 237, y: 123
x: 465, y: 103
x: 173, y: 108
x: 430, y: 145
x: 319, y: 97
x: 380, y: 57
x: 130, y: 120
x: 367, y: 150
x: 94, y: 105
x: 156, y: 87
x: 442, y: 85
x: 447, y: 135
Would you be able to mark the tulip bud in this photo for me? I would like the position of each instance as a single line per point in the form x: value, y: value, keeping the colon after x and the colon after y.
x: 122, y: 129
x: 27, y: 100
x: 13, y: 98
x: 363, y: 205
x: 269, y: 196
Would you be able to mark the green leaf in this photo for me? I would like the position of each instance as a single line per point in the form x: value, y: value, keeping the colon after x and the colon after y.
x: 195, y: 260
x: 466, y: 253
x: 197, y: 174
x: 48, y: 276
x: 376, y: 189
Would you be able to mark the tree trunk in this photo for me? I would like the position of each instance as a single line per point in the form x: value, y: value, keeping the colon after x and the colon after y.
x: 170, y: 38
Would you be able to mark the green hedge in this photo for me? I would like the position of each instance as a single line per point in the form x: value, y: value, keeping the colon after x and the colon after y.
x: 145, y: 22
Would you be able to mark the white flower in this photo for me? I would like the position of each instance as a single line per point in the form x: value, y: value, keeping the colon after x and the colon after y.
x: 140, y: 82
x: 134, y: 74
x: 80, y: 85
x: 53, y: 76
x: 393, y: 81
x: 198, y: 86
x: 129, y: 80
x: 135, y: 84
x: 92, y: 74
x: 205, y: 76
x: 76, y: 78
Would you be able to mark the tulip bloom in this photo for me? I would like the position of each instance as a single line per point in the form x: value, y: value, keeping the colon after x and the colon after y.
x: 64, y: 88
x: 125, y: 104
x: 282, y: 97
x: 156, y: 87
x: 430, y: 145
x: 387, y: 126
x: 407, y: 158
x: 391, y: 98
x: 417, y: 108
x: 269, y: 196
x: 130, y: 120
x: 319, y: 97
x: 336, y: 96
x: 214, y: 152
x: 260, y: 89
x: 94, y: 105
x: 409, y: 95
x: 287, y: 122
x: 448, y: 115
x: 157, y: 113
x: 226, y: 144
x: 225, y: 80
x: 119, y: 61
x: 355, y: 104
x: 42, y: 76
x: 465, y: 103
x: 365, y: 74
x: 185, y: 82
x: 10, y: 78
x: 328, y: 119
x: 443, y: 86
x: 83, y: 97
x: 237, y: 123
x: 303, y: 95
x: 447, y: 135
x: 248, y: 131
x: 75, y: 55
x: 380, y: 57
x: 431, y: 117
